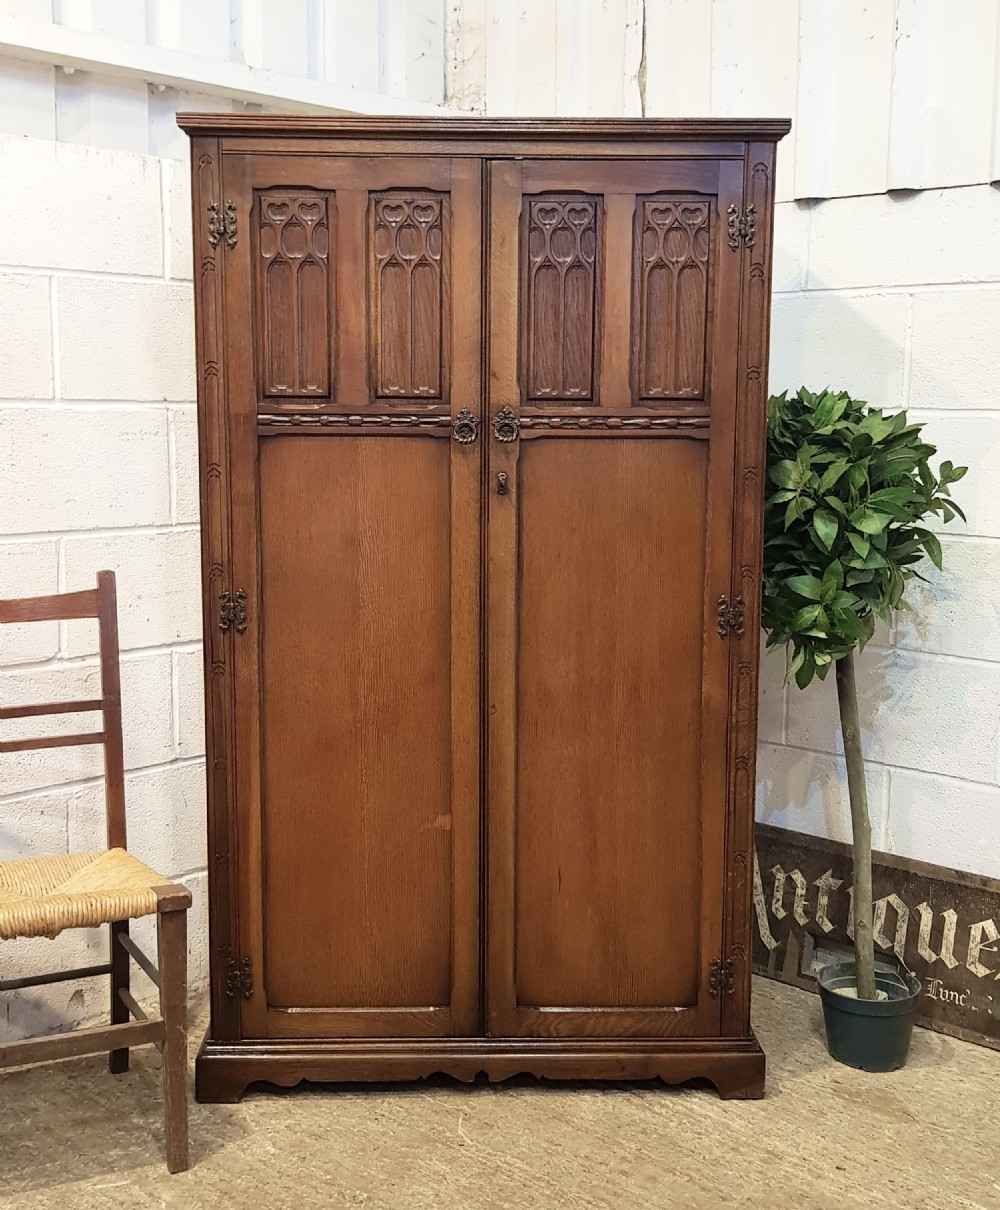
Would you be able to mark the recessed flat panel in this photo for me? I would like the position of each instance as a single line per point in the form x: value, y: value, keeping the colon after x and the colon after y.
x: 356, y: 726
x: 612, y: 540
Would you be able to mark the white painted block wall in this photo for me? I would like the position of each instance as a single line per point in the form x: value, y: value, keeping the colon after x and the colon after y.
x: 897, y: 299
x: 98, y: 469
x: 894, y: 297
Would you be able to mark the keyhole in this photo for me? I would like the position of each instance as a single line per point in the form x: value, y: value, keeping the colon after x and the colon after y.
x: 502, y: 483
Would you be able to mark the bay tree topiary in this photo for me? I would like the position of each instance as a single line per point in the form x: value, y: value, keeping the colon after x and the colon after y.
x: 848, y: 488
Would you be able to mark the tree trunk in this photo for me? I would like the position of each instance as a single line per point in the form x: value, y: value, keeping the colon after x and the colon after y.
x: 850, y: 724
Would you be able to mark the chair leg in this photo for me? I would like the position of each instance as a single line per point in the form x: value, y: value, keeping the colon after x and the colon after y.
x: 120, y: 975
x: 172, y: 939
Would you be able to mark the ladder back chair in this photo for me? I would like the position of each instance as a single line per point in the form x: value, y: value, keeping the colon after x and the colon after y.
x: 41, y: 896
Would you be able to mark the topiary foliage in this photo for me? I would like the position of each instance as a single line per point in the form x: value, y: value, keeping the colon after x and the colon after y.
x: 847, y: 488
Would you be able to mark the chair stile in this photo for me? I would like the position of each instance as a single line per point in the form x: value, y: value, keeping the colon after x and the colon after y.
x: 41, y: 896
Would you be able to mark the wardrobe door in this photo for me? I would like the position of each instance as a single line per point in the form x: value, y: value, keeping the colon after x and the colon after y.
x: 353, y: 326
x: 613, y: 326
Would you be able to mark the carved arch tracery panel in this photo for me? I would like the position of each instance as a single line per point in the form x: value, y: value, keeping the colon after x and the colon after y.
x: 294, y: 293
x: 672, y: 278
x: 561, y: 256
x: 409, y: 271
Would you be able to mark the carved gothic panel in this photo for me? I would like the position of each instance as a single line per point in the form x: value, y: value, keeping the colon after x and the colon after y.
x: 409, y: 248
x: 672, y: 259
x: 294, y: 290
x: 560, y: 296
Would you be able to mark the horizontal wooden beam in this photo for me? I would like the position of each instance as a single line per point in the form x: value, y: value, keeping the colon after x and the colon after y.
x: 82, y: 1042
x: 60, y: 606
x: 81, y: 972
x: 52, y: 741
x: 74, y: 49
x: 51, y: 708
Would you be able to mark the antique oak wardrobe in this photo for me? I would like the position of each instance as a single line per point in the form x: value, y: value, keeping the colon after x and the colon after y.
x: 482, y: 411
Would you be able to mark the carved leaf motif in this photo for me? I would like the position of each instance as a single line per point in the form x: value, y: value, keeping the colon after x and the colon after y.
x: 673, y: 249
x: 294, y: 290
x: 560, y: 295
x: 407, y: 319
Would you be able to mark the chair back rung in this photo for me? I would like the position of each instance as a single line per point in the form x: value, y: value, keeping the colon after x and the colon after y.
x: 52, y: 741
x: 100, y: 603
x: 51, y: 708
x: 59, y: 607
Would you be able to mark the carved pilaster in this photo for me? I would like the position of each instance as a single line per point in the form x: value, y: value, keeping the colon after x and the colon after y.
x: 214, y: 473
x: 748, y: 538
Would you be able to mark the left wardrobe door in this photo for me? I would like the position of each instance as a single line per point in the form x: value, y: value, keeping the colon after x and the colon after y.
x: 353, y: 317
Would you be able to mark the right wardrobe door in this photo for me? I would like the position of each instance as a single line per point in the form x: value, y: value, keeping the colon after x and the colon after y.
x: 613, y: 304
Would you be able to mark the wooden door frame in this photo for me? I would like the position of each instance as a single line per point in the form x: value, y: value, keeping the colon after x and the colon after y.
x: 508, y: 181
x: 251, y: 420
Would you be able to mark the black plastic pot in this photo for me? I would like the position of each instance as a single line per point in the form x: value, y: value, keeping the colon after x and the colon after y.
x: 873, y: 1035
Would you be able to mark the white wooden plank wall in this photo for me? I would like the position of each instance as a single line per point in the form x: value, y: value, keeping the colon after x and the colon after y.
x: 884, y: 94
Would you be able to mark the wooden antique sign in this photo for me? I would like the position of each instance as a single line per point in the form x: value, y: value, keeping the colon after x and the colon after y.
x: 942, y: 924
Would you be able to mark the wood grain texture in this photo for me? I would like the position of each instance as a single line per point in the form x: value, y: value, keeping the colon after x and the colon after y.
x: 357, y: 694
x: 672, y: 251
x: 216, y: 563
x: 408, y: 246
x: 612, y: 540
x: 355, y: 646
x: 294, y: 293
x: 735, y: 1066
x: 560, y: 274
x: 536, y: 131
x: 593, y: 292
x: 750, y: 419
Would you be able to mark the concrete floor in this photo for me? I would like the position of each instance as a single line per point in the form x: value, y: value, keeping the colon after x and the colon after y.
x: 924, y: 1138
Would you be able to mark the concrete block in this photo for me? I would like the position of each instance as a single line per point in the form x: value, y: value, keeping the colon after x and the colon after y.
x: 42, y: 1010
x: 147, y: 720
x: 955, y: 361
x: 179, y: 216
x: 771, y: 695
x: 956, y: 612
x: 939, y: 235
x: 70, y: 468
x: 846, y: 342
x: 920, y: 711
x: 948, y: 822
x: 159, y: 586
x: 184, y: 426
x: 30, y: 569
x: 189, y: 687
x: 25, y: 362
x: 807, y: 792
x: 791, y: 246
x: 36, y: 825
x: 166, y: 819
x: 974, y: 441
x: 116, y: 224
x: 126, y: 340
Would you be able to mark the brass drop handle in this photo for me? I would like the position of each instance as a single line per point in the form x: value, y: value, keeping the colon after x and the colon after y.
x: 466, y: 427
x: 505, y: 426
